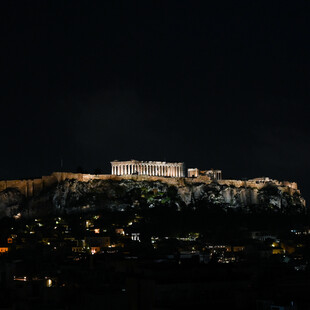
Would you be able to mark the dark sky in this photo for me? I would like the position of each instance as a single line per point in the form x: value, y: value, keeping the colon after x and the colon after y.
x: 222, y: 85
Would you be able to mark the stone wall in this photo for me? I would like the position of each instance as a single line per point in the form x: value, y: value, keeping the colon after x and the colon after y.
x: 34, y: 187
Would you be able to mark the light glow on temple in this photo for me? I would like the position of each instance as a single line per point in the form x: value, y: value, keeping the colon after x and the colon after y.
x: 149, y: 168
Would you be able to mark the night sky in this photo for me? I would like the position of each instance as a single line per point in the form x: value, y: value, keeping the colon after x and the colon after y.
x: 221, y: 86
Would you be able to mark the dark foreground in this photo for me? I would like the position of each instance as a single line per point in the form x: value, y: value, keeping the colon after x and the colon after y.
x: 142, y: 261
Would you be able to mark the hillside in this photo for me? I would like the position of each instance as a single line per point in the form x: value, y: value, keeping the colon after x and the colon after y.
x: 119, y: 194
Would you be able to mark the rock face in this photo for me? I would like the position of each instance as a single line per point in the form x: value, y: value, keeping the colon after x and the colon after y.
x: 73, y: 196
x: 11, y: 201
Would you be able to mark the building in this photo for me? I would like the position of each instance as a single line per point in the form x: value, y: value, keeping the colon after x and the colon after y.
x: 192, y: 172
x: 149, y: 168
x: 212, y: 173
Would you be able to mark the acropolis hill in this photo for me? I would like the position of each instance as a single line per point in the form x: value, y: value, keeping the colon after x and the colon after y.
x: 34, y: 187
x: 115, y: 189
x: 170, y: 173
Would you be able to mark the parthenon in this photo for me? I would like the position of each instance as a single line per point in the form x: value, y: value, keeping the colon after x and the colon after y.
x: 150, y: 168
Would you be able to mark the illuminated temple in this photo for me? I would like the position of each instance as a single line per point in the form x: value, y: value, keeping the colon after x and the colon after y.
x: 149, y: 168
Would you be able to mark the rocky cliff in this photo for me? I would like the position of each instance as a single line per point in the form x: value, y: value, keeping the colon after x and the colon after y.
x: 73, y: 195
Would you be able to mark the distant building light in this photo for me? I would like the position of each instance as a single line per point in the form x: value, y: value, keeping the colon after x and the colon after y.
x: 135, y: 237
x: 4, y: 249
x: 94, y: 250
x: 17, y: 216
x: 49, y: 283
x: 120, y: 231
